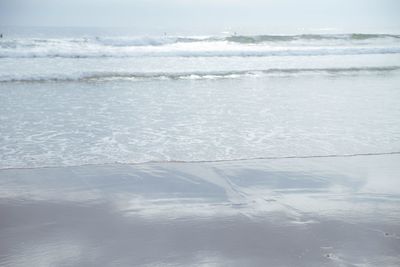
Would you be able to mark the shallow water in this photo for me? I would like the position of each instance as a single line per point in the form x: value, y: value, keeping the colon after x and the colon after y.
x: 73, y: 98
x: 74, y: 123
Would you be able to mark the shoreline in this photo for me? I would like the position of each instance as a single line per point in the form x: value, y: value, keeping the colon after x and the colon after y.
x: 205, y: 161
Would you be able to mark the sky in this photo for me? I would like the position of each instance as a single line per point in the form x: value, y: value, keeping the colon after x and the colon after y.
x: 206, y: 16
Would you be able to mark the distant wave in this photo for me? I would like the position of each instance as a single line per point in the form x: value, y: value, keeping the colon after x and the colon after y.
x: 286, y: 38
x: 127, y: 41
x: 198, y: 52
x: 201, y: 46
x: 136, y: 76
x: 242, y: 39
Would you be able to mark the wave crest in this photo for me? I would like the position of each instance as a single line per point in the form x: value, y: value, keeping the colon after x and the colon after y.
x: 201, y: 46
x: 136, y: 76
x: 242, y: 39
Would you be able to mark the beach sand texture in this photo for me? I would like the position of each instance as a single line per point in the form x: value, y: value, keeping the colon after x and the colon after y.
x: 283, y: 212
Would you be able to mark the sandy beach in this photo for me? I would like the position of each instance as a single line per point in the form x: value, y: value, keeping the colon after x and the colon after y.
x: 284, y: 212
x: 207, y: 133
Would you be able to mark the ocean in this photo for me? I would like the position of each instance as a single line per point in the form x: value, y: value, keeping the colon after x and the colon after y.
x: 127, y: 149
x: 90, y: 97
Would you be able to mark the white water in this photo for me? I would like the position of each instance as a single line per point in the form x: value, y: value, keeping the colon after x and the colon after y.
x: 103, y: 99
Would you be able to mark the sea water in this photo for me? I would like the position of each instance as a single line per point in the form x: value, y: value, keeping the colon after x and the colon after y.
x: 72, y: 98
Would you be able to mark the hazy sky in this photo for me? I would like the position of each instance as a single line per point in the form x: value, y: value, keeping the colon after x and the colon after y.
x: 268, y: 16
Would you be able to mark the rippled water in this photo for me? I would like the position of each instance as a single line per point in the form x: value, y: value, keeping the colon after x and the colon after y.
x: 102, y: 99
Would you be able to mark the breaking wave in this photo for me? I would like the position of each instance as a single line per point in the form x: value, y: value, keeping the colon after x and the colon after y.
x: 243, y: 39
x: 286, y: 38
x: 201, y: 46
x: 206, y: 52
x: 165, y: 40
x: 212, y: 75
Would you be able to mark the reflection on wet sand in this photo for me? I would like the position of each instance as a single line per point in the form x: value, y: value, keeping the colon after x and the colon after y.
x: 290, y: 212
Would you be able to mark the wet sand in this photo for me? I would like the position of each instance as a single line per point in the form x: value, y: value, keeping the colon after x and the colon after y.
x: 287, y: 212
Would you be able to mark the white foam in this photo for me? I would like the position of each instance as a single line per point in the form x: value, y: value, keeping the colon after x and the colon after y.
x: 187, y: 47
x: 92, y: 123
x: 196, y: 75
x: 137, y: 99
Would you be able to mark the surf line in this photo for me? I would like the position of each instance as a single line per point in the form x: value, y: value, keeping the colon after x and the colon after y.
x: 208, y: 161
x: 291, y: 157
